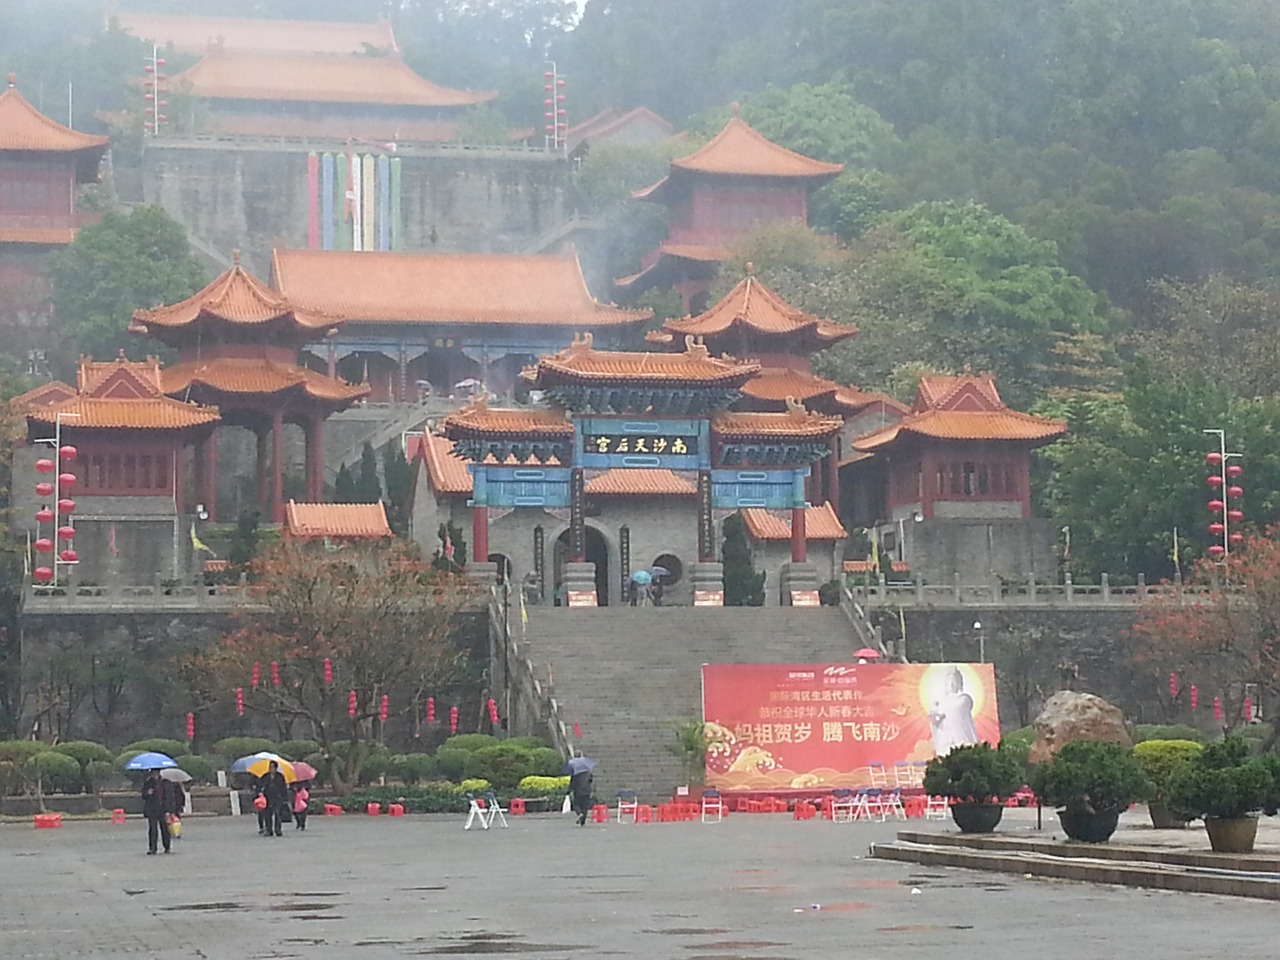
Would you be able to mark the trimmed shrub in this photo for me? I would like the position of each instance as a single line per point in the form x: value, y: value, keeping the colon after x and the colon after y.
x: 529, y: 743
x: 1222, y: 782
x: 469, y: 741
x: 200, y: 768
x: 975, y: 773
x: 10, y: 778
x: 84, y: 752
x: 543, y: 786
x: 20, y: 751
x: 1166, y: 731
x: 375, y: 764
x: 1087, y: 776
x: 411, y: 767
x: 1017, y: 743
x: 475, y: 785
x: 504, y: 765
x: 545, y: 762
x: 435, y: 797
x: 56, y: 772
x: 1160, y: 758
x: 233, y: 748
x: 172, y: 748
x: 295, y: 749
x: 100, y: 774
x: 451, y: 762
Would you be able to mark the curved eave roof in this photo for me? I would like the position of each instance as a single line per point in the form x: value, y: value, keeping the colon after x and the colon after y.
x: 820, y: 523
x: 776, y: 384
x: 25, y: 129
x: 695, y: 366
x: 448, y: 474
x: 480, y: 420
x: 637, y: 482
x: 235, y: 377
x: 753, y: 306
x: 339, y: 521
x: 236, y: 298
x: 796, y: 423
x: 1003, y: 425
x: 149, y: 413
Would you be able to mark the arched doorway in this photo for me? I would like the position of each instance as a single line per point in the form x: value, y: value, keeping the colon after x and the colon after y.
x: 504, y: 566
x: 663, y: 581
x: 597, y: 553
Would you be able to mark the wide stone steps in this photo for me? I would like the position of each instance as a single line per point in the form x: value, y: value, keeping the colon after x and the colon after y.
x: 628, y: 676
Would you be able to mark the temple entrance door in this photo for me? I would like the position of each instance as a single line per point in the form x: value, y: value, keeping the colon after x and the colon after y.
x: 597, y: 553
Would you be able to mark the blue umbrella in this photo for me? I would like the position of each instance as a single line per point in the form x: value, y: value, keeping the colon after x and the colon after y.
x: 642, y: 577
x: 659, y: 572
x: 151, y: 761
x: 578, y: 765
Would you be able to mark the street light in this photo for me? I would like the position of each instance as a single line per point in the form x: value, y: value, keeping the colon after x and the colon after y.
x: 902, y: 533
x: 982, y: 641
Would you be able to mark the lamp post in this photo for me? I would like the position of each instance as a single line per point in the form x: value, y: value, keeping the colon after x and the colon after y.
x: 982, y: 641
x: 1225, y: 504
x: 60, y: 517
x: 902, y: 533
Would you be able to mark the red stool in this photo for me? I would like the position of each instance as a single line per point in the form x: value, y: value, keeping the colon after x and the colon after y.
x: 48, y: 821
x: 373, y: 809
x: 826, y: 807
x: 395, y: 810
x: 755, y: 806
x: 599, y: 813
x: 644, y: 814
x: 804, y: 810
x: 332, y: 810
x: 117, y: 815
x: 516, y: 807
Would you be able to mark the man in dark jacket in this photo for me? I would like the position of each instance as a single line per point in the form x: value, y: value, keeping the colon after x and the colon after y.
x: 156, y: 808
x: 276, y: 789
x: 580, y: 786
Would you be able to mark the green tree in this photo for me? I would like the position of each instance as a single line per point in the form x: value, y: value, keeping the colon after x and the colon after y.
x: 451, y: 556
x: 344, y: 486
x: 244, y: 541
x: 743, y: 586
x: 368, y: 485
x: 399, y: 480
x: 124, y: 263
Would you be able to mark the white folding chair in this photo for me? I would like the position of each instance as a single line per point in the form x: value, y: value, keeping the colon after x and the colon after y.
x: 496, y: 812
x: 869, y: 805
x: 891, y: 805
x: 628, y: 805
x: 843, y: 804
x: 935, y: 808
x: 476, y: 813
x: 879, y: 776
x: 712, y: 806
x: 902, y: 774
x: 917, y: 773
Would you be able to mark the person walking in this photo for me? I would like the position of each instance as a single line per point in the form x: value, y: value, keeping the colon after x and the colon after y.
x: 155, y: 806
x: 301, y: 795
x: 276, y: 791
x: 260, y: 805
x: 580, y: 787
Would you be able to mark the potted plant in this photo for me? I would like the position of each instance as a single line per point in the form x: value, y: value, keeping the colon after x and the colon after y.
x: 1093, y: 783
x: 977, y: 778
x: 1158, y: 760
x: 691, y: 749
x: 1226, y: 789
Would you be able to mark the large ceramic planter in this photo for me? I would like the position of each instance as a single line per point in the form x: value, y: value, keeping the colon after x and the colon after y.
x: 1089, y: 827
x: 976, y: 817
x: 1162, y: 819
x: 1231, y: 836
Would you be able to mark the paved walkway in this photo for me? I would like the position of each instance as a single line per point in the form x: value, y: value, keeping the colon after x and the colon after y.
x: 359, y: 888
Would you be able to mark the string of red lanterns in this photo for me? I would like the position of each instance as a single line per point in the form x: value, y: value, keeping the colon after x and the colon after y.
x: 63, y: 484
x: 1225, y: 505
x: 453, y: 720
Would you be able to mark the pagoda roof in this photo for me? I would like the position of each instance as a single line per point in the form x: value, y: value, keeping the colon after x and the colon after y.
x: 820, y: 523
x: 739, y: 151
x: 318, y: 78
x: 197, y: 35
x: 258, y: 376
x: 797, y: 422
x: 236, y: 298
x: 752, y: 307
x: 609, y: 123
x: 639, y: 482
x: 966, y: 407
x: 581, y: 363
x: 446, y: 288
x: 45, y: 395
x: 338, y: 521
x: 25, y: 129
x: 775, y: 384
x: 448, y: 474
x: 122, y: 395
x: 108, y: 377
x: 478, y: 419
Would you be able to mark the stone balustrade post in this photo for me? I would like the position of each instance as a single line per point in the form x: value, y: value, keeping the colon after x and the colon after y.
x: 1106, y: 588
x: 1066, y: 586
x: 1031, y: 587
x: 1142, y: 584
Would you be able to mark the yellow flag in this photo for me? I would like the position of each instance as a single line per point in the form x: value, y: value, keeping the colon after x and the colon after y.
x: 1175, y: 546
x: 902, y: 624
x: 198, y: 544
x: 524, y: 611
x: 875, y: 553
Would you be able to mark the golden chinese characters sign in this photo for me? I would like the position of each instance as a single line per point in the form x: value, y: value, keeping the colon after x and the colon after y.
x: 656, y: 445
x: 774, y: 727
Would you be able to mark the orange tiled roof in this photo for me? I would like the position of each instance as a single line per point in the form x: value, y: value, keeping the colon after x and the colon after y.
x: 607, y: 123
x: 23, y: 128
x: 195, y: 34
x: 864, y: 566
x: 777, y: 383
x: 340, y: 521
x: 962, y: 425
x: 820, y: 523
x: 447, y: 473
x: 478, y: 418
x: 640, y: 483
x: 45, y: 395
x: 120, y: 378
x: 796, y: 422
x: 45, y: 236
x: 969, y: 391
x: 851, y: 400
x: 371, y: 132
x: 235, y: 375
x: 151, y: 413
x: 753, y: 305
x: 740, y: 151
x: 236, y: 297
x: 695, y: 365
x: 318, y: 79
x: 456, y: 288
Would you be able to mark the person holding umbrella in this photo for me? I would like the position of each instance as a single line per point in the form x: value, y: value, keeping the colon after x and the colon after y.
x: 157, y: 800
x: 580, y: 781
x: 275, y: 789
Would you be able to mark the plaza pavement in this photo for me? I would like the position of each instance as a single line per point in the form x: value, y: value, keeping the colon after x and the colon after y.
x: 360, y: 888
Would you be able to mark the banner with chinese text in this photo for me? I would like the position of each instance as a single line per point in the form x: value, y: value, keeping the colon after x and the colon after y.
x: 773, y: 726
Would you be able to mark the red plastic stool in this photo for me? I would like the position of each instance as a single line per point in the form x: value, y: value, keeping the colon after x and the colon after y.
x: 48, y: 821
x: 644, y: 814
x: 599, y: 813
x: 373, y: 809
x: 755, y: 806
x: 395, y: 810
x: 516, y: 807
x: 332, y: 810
x: 117, y: 815
x: 804, y: 810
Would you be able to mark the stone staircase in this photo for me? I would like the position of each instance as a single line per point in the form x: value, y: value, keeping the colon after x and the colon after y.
x: 629, y: 675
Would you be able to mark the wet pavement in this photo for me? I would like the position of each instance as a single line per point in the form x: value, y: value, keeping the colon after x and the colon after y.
x: 755, y: 887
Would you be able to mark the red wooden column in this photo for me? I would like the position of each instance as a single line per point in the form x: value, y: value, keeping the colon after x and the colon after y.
x: 179, y: 478
x: 277, y: 467
x: 315, y: 459
x: 479, y: 534
x: 209, y: 489
x: 799, y: 541
x: 264, y: 494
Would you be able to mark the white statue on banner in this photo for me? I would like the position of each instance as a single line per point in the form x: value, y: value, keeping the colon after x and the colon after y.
x: 952, y: 715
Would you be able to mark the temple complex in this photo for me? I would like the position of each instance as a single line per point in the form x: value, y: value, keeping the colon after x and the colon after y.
x: 716, y: 196
x: 42, y: 165
x: 237, y: 343
x: 435, y: 324
x: 196, y: 35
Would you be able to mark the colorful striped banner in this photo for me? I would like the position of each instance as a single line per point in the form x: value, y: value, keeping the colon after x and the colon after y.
x: 384, y: 202
x: 343, y: 213
x: 326, y: 201
x: 357, y: 203
x: 369, y: 200
x: 397, y: 224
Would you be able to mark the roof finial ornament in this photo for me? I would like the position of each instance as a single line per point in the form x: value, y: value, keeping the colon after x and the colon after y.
x: 751, y: 268
x: 120, y: 357
x: 13, y: 80
x: 235, y: 257
x: 695, y: 347
x: 968, y: 370
x: 795, y: 410
x: 581, y: 343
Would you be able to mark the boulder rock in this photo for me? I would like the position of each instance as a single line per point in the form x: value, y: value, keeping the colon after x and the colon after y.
x: 1069, y: 716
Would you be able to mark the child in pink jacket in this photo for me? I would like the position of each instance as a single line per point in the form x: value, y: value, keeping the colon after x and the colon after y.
x: 300, y: 797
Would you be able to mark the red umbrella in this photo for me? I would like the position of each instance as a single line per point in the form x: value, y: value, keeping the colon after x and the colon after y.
x: 866, y: 653
x: 305, y: 771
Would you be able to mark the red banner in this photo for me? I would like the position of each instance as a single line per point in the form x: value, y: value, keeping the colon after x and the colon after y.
x: 772, y: 726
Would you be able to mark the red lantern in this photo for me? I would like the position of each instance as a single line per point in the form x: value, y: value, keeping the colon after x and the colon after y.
x: 44, y: 489
x: 1248, y: 709
x: 44, y: 515
x: 1236, y: 539
x: 69, y: 556
x: 1195, y: 698
x: 1216, y: 506
x: 44, y: 465
x: 1217, y: 529
x: 1213, y: 459
x: 42, y: 574
x: 453, y: 719
x: 1235, y: 493
x: 493, y: 712
x: 382, y: 708
x: 66, y: 453
x: 1173, y: 685
x: 67, y: 481
x: 255, y: 676
x: 1217, y: 709
x: 351, y: 704
x: 240, y: 701
x: 66, y: 533
x: 275, y: 674
x: 1214, y: 480
x: 1235, y: 516
x: 1234, y: 470
x: 1217, y: 551
x: 431, y: 709
x: 191, y: 726
x: 43, y: 545
x: 66, y: 505
x: 328, y: 671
